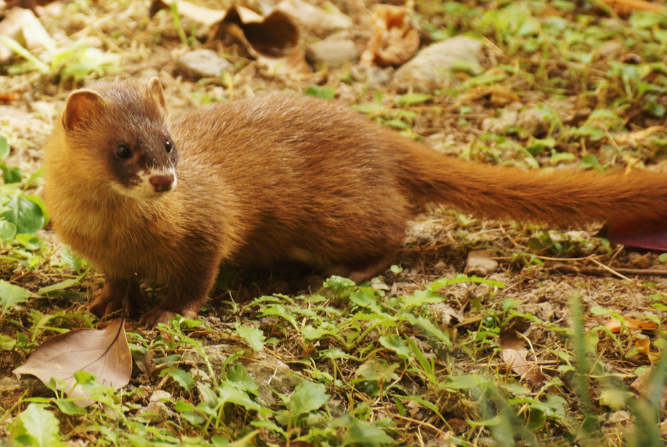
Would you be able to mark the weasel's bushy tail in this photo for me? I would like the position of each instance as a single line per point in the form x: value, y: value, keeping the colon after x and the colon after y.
x: 563, y: 198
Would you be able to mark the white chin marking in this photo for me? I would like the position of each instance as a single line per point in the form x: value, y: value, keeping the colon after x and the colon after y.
x: 145, y: 190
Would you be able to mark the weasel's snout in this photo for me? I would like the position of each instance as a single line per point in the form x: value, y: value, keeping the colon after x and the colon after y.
x: 163, y: 182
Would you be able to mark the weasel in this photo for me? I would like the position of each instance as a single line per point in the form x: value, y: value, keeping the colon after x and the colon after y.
x: 272, y: 179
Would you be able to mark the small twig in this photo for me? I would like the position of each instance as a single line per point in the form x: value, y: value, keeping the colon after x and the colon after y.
x: 606, y: 270
x: 425, y: 424
x: 542, y: 258
x: 615, y: 272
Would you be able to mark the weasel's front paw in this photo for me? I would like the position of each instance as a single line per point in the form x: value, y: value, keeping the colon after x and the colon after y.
x: 159, y: 315
x: 156, y: 316
x: 105, y: 304
x: 112, y: 297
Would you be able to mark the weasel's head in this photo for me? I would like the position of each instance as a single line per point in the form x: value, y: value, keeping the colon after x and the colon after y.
x: 119, y: 134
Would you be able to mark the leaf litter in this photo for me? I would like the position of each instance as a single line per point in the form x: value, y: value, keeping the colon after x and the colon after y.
x: 104, y: 354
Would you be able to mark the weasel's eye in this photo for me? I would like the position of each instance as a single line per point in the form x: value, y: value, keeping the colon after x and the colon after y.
x: 168, y: 146
x: 123, y: 152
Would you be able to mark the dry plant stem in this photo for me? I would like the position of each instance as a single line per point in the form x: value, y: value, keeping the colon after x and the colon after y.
x: 615, y: 272
x: 425, y: 424
x: 605, y: 271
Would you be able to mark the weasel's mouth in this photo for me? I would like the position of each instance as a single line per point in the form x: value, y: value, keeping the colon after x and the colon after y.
x: 149, y: 186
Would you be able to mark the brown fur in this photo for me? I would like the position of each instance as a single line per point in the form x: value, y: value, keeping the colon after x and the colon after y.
x: 266, y: 180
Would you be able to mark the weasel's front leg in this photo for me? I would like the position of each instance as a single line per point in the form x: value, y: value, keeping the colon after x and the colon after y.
x: 112, y: 296
x: 187, y: 294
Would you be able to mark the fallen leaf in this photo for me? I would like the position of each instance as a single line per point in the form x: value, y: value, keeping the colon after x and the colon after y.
x: 445, y: 313
x: 643, y: 345
x: 98, y: 352
x: 499, y: 95
x: 272, y: 40
x: 413, y: 407
x: 205, y: 17
x: 615, y: 325
x: 394, y: 39
x: 312, y: 19
x: 515, y: 354
x: 637, y: 136
x: 145, y: 362
x: 642, y: 385
x: 9, y: 96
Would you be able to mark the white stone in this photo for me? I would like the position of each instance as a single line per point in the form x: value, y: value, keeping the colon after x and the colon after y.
x: 429, y: 69
x: 479, y: 263
x: 203, y: 64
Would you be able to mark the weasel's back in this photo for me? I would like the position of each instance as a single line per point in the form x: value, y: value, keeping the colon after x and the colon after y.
x: 313, y: 177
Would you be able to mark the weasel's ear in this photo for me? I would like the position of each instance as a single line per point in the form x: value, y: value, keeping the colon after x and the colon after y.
x: 81, y: 106
x: 154, y: 89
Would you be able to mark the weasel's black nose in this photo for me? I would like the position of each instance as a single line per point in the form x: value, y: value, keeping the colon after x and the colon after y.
x: 162, y: 183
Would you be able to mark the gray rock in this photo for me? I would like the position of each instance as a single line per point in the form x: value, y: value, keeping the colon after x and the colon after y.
x: 11, y: 389
x: 160, y: 394
x: 333, y: 52
x: 498, y: 125
x: 269, y: 372
x: 373, y: 76
x: 480, y: 263
x: 429, y: 70
x: 154, y: 411
x: 611, y: 50
x: 534, y: 122
x: 203, y: 64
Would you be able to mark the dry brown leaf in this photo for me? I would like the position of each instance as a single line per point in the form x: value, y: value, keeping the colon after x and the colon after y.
x: 9, y: 96
x: 394, y: 40
x: 516, y: 359
x: 98, y: 352
x: 203, y: 16
x: 515, y: 354
x: 498, y: 94
x: 273, y: 40
x: 312, y: 19
x: 413, y: 407
x: 145, y: 362
x: 615, y: 326
x: 501, y: 96
x: 635, y: 137
x: 445, y: 313
x: 643, y: 345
